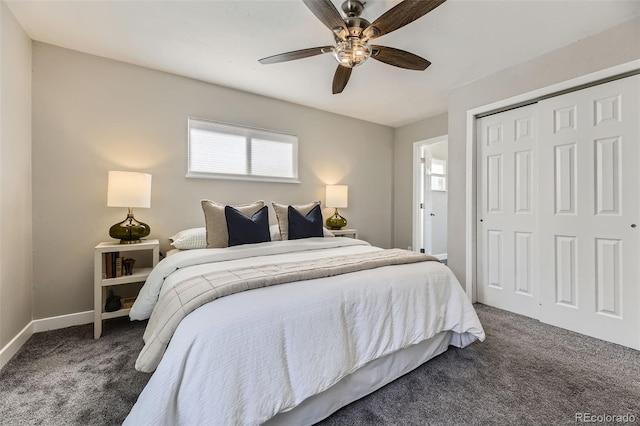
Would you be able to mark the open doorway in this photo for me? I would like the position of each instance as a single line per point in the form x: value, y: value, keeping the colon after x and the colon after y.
x: 430, y: 197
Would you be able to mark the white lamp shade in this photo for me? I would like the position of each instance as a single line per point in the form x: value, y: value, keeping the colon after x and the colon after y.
x: 129, y: 189
x: 337, y: 196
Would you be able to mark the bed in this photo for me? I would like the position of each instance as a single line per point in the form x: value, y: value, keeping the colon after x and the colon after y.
x: 294, y: 353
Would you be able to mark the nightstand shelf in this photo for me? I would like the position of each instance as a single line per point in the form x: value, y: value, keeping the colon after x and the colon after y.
x: 101, y: 284
x: 115, y: 314
x: 139, y: 274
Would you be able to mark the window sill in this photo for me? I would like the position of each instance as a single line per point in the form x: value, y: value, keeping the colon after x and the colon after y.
x: 196, y: 175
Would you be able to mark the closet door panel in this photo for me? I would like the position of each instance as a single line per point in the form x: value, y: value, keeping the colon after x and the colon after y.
x: 507, y: 198
x: 589, y: 179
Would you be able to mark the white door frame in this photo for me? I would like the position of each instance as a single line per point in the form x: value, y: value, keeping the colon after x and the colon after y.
x: 417, y: 178
x: 471, y: 158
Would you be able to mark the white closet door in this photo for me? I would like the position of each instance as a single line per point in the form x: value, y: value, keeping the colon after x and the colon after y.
x: 507, y: 198
x: 589, y: 211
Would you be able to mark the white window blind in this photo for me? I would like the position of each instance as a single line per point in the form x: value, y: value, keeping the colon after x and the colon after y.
x: 226, y: 151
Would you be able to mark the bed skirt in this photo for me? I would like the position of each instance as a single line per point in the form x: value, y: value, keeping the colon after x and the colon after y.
x: 363, y: 381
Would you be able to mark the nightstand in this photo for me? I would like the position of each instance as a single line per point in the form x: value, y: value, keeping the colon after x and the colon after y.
x: 104, y: 255
x: 345, y: 232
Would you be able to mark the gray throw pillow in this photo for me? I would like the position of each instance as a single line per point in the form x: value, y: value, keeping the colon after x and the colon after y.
x: 216, y: 222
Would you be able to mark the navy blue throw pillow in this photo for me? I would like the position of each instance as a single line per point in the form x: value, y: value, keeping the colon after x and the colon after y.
x: 247, y: 230
x: 305, y: 226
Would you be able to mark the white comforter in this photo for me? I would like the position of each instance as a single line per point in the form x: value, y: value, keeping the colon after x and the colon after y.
x: 244, y: 358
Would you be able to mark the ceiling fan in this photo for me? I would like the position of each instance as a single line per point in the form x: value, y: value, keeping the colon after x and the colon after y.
x: 352, y: 36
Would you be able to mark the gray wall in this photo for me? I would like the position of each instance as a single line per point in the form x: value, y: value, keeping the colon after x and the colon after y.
x: 404, y: 137
x: 15, y: 177
x: 91, y: 115
x: 609, y: 48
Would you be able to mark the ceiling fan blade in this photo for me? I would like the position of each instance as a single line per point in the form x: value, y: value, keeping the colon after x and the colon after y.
x: 399, y: 58
x: 296, y: 54
x: 341, y: 78
x: 327, y: 13
x: 400, y: 15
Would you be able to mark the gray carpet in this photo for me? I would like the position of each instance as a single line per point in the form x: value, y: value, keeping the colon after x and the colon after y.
x: 524, y: 373
x: 65, y: 377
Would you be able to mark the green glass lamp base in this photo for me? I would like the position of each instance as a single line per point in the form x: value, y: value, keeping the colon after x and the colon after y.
x: 129, y: 231
x: 336, y: 221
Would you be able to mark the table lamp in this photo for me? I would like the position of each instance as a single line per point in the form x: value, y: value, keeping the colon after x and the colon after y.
x: 129, y: 189
x: 336, y: 196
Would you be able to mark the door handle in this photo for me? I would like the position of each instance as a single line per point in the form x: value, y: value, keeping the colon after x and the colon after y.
x: 431, y: 214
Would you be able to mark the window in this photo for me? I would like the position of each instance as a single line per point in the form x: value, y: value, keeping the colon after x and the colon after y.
x: 438, y: 175
x: 226, y: 151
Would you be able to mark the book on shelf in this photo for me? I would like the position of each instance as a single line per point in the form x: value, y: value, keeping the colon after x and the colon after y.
x: 118, y: 267
x: 127, y: 303
x: 107, y: 264
x: 112, y: 265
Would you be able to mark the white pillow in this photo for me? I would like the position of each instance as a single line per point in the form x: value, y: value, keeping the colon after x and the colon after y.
x: 194, y: 238
x: 274, y: 230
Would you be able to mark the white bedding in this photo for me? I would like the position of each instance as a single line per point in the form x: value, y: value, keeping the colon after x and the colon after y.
x: 172, y: 269
x: 246, y: 357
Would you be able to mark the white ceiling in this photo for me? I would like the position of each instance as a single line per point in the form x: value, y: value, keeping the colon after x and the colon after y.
x: 221, y: 41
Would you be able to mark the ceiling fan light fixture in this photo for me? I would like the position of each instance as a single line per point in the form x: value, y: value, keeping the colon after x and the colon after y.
x: 352, y: 52
x: 352, y: 34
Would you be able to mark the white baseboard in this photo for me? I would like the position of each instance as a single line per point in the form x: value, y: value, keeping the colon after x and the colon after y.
x: 39, y: 325
x: 62, y: 321
x: 15, y: 344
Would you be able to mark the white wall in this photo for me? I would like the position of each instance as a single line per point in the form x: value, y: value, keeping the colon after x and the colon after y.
x: 15, y: 178
x: 439, y: 204
x: 91, y: 115
x: 612, y: 47
x: 404, y: 137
